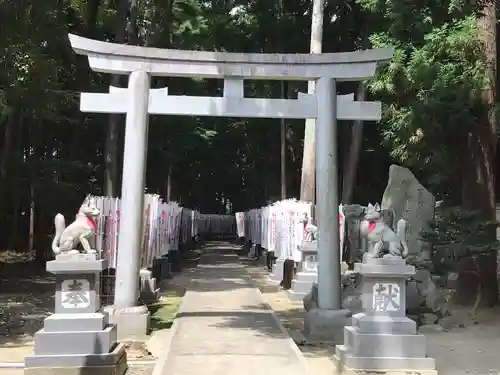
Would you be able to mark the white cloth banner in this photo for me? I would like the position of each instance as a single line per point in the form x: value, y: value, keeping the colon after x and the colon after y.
x: 278, y: 227
x: 163, y: 230
x: 240, y: 224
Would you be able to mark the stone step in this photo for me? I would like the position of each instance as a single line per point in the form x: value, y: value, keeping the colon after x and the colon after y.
x: 76, y: 322
x: 343, y: 355
x: 112, y: 363
x: 64, y: 343
x: 384, y: 324
x: 384, y: 345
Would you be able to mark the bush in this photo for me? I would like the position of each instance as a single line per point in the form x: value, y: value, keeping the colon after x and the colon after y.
x: 457, y: 233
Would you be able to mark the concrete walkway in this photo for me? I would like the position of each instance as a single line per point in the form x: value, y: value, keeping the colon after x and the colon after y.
x: 224, y: 327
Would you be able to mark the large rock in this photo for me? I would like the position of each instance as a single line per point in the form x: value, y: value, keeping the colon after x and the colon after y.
x: 408, y: 199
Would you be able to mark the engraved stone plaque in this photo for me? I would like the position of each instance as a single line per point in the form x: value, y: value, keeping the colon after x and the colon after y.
x: 311, y: 263
x: 75, y: 294
x: 386, y: 297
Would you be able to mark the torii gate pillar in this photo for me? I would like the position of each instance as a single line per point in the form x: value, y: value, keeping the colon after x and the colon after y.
x: 132, y: 321
x: 139, y: 100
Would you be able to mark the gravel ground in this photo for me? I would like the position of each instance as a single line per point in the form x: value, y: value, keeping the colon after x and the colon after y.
x: 140, y: 370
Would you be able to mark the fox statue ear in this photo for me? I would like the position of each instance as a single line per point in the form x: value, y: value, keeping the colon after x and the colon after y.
x: 377, y: 207
x: 86, y: 201
x: 369, y: 205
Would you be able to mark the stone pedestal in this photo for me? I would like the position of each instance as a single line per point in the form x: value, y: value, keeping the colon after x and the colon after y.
x: 252, y: 251
x: 255, y: 251
x: 382, y: 338
x: 132, y: 323
x: 270, y: 260
x: 325, y: 326
x: 174, y: 258
x: 148, y: 292
x: 77, y: 338
x: 166, y: 267
x: 308, y: 273
x: 277, y: 274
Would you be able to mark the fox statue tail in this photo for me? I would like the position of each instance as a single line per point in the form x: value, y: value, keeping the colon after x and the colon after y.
x: 401, y: 233
x: 60, y: 225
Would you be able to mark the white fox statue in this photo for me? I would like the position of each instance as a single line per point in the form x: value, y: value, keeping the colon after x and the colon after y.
x: 378, y: 234
x: 66, y: 239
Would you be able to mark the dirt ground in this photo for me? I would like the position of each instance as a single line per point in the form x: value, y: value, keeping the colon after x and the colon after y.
x: 460, y: 351
x: 26, y: 298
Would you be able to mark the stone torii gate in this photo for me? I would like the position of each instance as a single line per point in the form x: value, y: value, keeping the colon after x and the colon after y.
x: 139, y: 100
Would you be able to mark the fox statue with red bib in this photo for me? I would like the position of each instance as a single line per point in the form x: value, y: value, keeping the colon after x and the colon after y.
x: 66, y: 239
x: 381, y: 236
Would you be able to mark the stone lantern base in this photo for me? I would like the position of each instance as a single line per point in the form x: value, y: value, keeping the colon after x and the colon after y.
x: 77, y: 339
x: 308, y: 274
x: 382, y: 338
x: 113, y: 363
x: 341, y: 368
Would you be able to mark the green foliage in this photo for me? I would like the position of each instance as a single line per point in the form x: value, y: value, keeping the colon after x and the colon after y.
x: 459, y: 233
x: 433, y: 84
x: 430, y: 90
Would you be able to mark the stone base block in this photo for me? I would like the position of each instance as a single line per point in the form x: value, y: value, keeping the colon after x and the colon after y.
x: 383, y: 344
x: 384, y: 324
x: 67, y: 343
x: 342, y: 369
x: 295, y: 297
x: 252, y: 252
x: 326, y: 325
x: 156, y: 269
x: 165, y: 270
x: 383, y: 364
x: 174, y: 257
x: 113, y: 363
x: 306, y: 277
x: 132, y: 322
x: 76, y: 263
x: 301, y: 285
x: 83, y: 322
x: 277, y: 274
x: 148, y: 292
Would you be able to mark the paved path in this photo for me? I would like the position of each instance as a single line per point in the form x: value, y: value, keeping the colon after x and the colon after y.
x: 224, y: 327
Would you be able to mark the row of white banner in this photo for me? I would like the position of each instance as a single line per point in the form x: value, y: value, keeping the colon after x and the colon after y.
x: 279, y: 227
x: 166, y: 225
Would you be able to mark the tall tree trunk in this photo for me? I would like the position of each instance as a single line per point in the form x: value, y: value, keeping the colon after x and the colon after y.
x: 31, y: 235
x: 91, y: 13
x: 15, y: 181
x: 283, y: 146
x: 169, y: 182
x: 111, y: 147
x: 6, y: 167
x: 478, y: 184
x: 283, y: 95
x: 308, y: 180
x: 8, y: 145
x: 351, y: 165
x: 478, y: 174
x: 132, y: 30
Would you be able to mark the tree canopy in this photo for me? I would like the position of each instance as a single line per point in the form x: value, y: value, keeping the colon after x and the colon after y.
x: 438, y: 93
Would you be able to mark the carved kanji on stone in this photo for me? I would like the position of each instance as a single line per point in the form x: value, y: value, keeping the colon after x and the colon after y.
x: 76, y: 296
x: 386, y: 297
